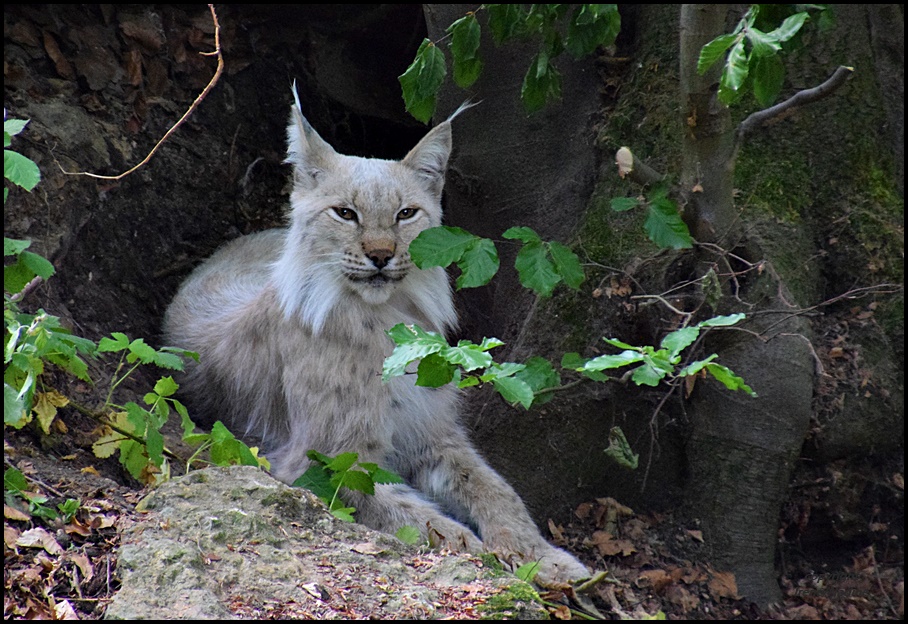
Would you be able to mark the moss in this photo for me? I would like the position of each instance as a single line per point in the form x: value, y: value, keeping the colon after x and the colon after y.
x: 511, y: 603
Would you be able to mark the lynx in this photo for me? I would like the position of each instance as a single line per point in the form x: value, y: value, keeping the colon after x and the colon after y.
x: 290, y: 326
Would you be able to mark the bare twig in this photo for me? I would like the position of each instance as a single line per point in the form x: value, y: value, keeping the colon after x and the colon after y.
x: 801, y: 98
x: 189, y: 111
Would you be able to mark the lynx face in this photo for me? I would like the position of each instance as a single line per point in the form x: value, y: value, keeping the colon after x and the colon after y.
x: 365, y: 229
x: 352, y: 220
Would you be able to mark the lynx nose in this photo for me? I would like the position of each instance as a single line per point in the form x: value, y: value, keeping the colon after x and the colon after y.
x: 380, y: 257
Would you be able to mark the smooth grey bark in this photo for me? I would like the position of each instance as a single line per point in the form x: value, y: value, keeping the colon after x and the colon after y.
x: 742, y: 449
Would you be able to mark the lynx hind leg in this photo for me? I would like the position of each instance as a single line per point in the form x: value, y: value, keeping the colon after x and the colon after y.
x: 395, y: 506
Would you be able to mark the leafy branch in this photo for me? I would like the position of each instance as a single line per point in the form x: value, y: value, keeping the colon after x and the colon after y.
x: 555, y: 26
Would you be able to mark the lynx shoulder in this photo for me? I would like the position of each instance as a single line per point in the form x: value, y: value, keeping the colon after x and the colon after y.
x: 290, y: 327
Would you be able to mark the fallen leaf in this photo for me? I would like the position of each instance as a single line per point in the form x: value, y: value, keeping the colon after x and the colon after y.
x: 11, y: 513
x: 697, y: 535
x: 657, y: 579
x: 561, y: 612
x: 682, y: 597
x: 84, y: 564
x: 723, y: 585
x: 10, y: 535
x: 368, y: 548
x: 64, y: 611
x: 39, y: 538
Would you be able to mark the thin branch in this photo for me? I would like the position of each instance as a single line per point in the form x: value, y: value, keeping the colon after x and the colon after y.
x: 799, y: 99
x: 195, y: 104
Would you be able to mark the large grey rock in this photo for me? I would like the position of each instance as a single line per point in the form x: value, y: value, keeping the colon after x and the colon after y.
x: 226, y: 543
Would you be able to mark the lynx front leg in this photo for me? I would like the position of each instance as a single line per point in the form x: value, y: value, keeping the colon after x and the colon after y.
x: 394, y: 506
x: 462, y: 479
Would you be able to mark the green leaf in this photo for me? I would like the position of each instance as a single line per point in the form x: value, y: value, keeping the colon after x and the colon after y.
x: 623, y: 204
x: 591, y: 26
x: 359, y: 481
x: 535, y: 270
x: 567, y: 264
x: 679, y: 340
x: 541, y: 83
x: 734, y: 74
x: 790, y: 27
x: 166, y: 386
x: 514, y: 390
x: 168, y: 360
x: 413, y: 343
x: 14, y: 246
x: 440, y: 246
x: 528, y: 571
x: 12, y: 127
x: 20, y: 170
x: 434, y: 371
x: 713, y: 51
x: 647, y: 375
x: 478, y: 264
x: 119, y: 342
x: 768, y: 77
x: 38, y: 264
x: 381, y: 475
x: 14, y: 480
x: 317, y: 479
x: 344, y: 513
x: 521, y: 233
x: 620, y: 450
x: 138, y: 350
x: 464, y: 45
x: 731, y: 381
x: 605, y: 362
x: 764, y: 44
x: 664, y: 226
x: 695, y: 367
x: 14, y: 412
x: 722, y: 321
x: 408, y: 535
x: 342, y: 462
x: 422, y: 80
x: 504, y: 21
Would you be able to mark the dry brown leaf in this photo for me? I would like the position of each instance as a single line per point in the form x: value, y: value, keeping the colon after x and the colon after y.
x: 697, y: 535
x: 64, y: 611
x: 11, y: 513
x: 367, y: 548
x: 561, y: 612
x: 723, y: 585
x: 10, y: 535
x: 84, y: 564
x: 39, y: 538
x: 657, y: 579
x: 681, y: 596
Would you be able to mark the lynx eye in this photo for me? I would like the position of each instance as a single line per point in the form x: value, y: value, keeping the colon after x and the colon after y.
x: 345, y: 213
x: 407, y: 214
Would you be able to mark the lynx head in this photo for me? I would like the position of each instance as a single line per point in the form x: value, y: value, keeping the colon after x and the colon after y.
x: 351, y: 222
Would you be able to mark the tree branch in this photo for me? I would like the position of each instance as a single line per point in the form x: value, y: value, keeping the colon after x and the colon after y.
x: 799, y: 99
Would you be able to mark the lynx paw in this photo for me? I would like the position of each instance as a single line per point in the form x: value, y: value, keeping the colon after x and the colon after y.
x: 450, y: 535
x: 558, y: 567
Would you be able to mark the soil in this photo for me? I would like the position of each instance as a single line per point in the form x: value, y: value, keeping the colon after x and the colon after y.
x: 101, y: 85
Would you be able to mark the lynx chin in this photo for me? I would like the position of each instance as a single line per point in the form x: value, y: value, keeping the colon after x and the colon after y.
x: 290, y: 326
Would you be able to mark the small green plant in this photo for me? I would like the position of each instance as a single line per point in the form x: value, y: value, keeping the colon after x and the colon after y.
x: 32, y: 341
x: 327, y: 475
x: 557, y: 27
x: 15, y: 486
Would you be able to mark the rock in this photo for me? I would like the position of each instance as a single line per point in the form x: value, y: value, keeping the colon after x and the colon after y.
x: 228, y: 543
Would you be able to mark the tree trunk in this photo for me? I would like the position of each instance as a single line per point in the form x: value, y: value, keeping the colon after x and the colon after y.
x: 742, y: 449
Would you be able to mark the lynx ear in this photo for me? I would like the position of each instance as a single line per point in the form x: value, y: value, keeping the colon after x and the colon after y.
x: 430, y: 156
x: 309, y: 154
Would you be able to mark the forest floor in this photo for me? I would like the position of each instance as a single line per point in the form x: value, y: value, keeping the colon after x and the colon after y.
x: 58, y: 569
